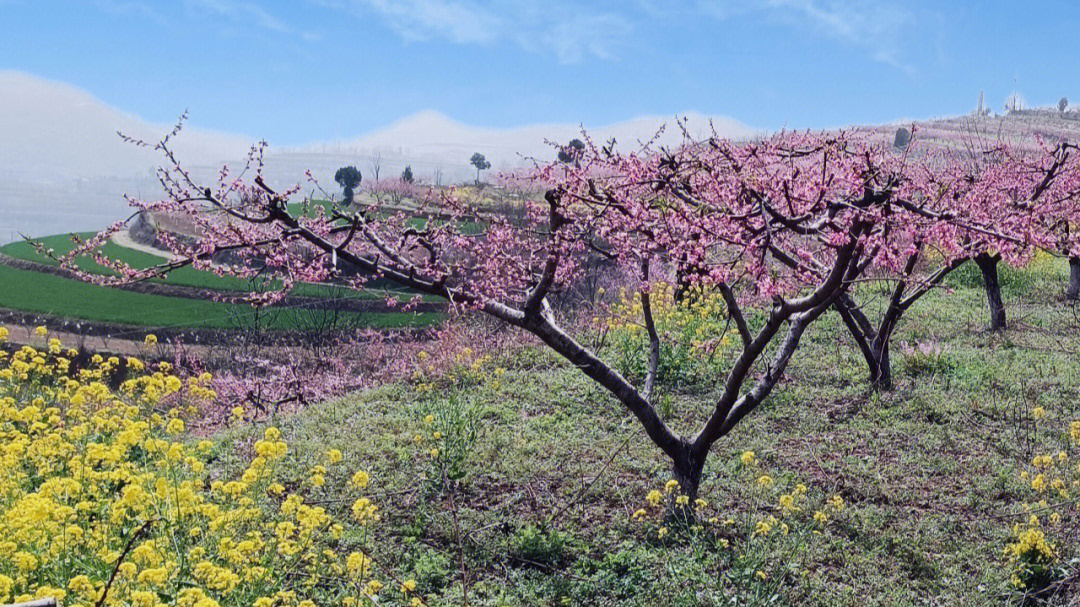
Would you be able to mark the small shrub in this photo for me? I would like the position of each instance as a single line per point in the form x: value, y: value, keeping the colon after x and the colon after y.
x: 450, y: 413
x: 431, y: 570
x: 449, y: 436
x: 1034, y: 561
x: 926, y: 358
x: 623, y: 574
x: 539, y: 544
x: 1037, y: 563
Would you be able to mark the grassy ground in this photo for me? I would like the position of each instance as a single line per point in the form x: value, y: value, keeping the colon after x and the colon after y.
x: 42, y: 293
x: 929, y: 470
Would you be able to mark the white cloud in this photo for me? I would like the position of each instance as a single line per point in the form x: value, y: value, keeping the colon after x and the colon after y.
x: 567, y: 29
x: 579, y: 35
x: 879, y: 27
x: 130, y: 7
x: 241, y: 12
x: 574, y: 31
x: 459, y: 22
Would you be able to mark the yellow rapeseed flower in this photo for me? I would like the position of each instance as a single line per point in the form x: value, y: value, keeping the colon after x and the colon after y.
x: 175, y: 426
x: 82, y: 440
x: 654, y: 497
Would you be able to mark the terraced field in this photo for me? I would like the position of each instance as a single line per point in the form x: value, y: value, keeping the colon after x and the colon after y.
x: 45, y: 293
x: 187, y: 276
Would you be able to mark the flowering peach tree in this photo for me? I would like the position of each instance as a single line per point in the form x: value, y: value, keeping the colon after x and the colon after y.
x: 1000, y: 203
x: 781, y: 228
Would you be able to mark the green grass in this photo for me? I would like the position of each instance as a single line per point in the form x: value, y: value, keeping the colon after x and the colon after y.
x: 42, y: 293
x: 187, y: 276
x: 312, y: 209
x: 61, y: 244
x: 929, y: 469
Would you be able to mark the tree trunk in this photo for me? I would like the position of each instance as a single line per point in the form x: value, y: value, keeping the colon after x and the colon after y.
x: 687, y: 473
x: 1073, y: 291
x: 988, y: 265
x: 682, y: 285
x: 873, y: 342
x: 881, y: 369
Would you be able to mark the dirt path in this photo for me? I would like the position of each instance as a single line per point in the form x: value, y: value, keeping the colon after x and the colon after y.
x: 19, y: 334
x: 124, y: 239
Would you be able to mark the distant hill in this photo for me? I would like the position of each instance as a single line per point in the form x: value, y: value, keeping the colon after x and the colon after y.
x: 56, y: 131
x: 430, y: 140
x: 63, y: 168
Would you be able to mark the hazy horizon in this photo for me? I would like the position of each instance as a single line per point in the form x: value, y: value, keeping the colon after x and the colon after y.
x: 66, y: 168
x: 427, y: 83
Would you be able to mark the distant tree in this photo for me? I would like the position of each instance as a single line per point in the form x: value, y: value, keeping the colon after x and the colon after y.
x: 571, y: 151
x: 376, y: 164
x: 1063, y: 103
x: 1015, y: 102
x: 348, y: 178
x: 480, y: 162
x: 407, y: 175
x: 903, y: 137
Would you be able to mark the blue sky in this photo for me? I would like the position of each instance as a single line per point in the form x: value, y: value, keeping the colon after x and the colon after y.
x: 313, y: 70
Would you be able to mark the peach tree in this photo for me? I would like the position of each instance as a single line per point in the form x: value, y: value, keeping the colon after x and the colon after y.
x: 999, y: 202
x: 781, y: 228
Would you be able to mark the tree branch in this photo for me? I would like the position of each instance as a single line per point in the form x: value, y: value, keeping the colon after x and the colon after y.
x: 735, y: 312
x: 650, y: 326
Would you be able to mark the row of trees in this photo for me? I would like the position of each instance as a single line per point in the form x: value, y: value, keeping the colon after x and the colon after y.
x: 349, y: 177
x: 783, y: 228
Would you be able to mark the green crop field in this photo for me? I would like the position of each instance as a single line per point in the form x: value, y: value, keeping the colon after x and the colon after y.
x: 62, y: 244
x: 43, y: 293
x: 189, y: 277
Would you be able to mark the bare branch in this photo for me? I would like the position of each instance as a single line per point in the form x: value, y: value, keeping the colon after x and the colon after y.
x: 735, y: 313
x: 650, y: 326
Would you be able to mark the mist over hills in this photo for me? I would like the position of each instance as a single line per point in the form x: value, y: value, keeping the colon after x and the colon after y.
x: 64, y: 168
x: 430, y: 140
